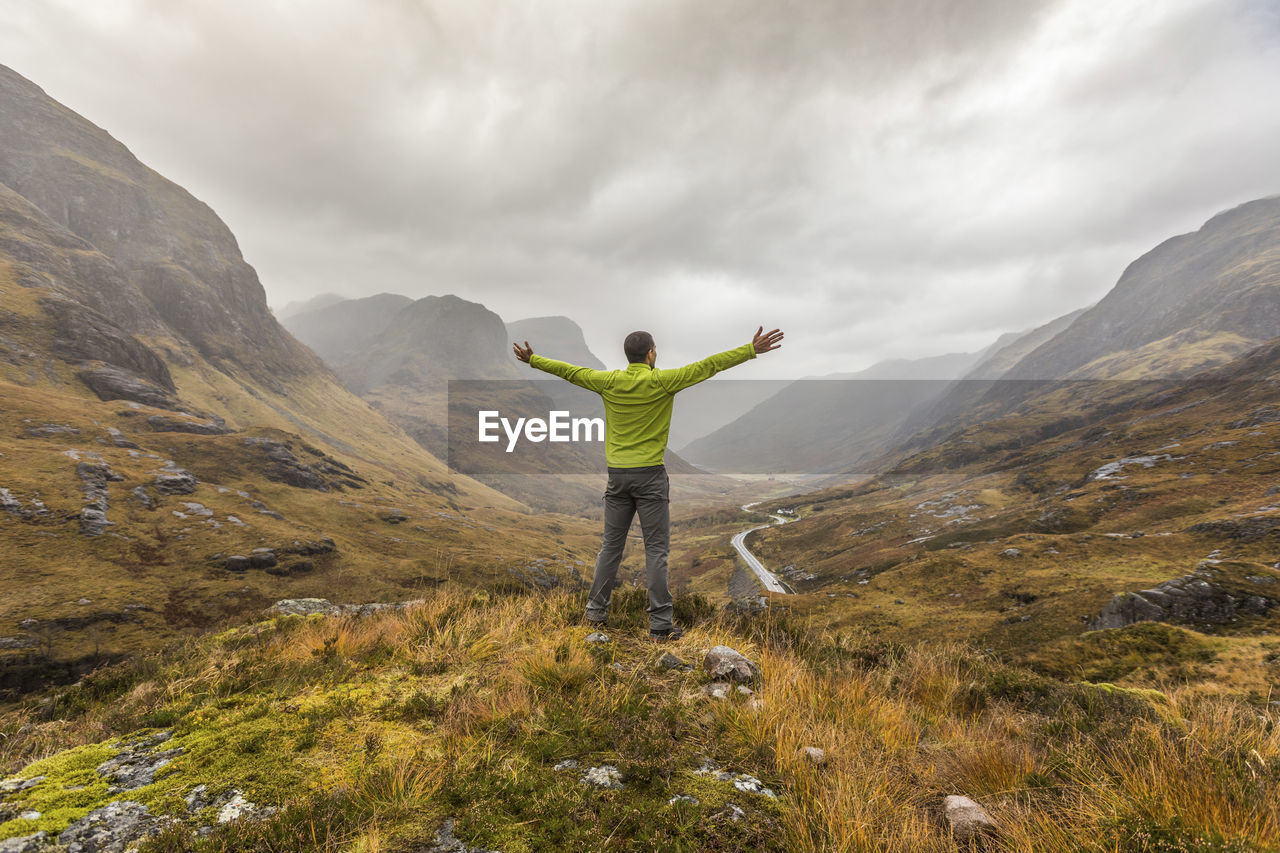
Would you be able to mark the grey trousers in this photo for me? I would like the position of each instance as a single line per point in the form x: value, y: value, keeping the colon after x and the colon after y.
x: 647, y: 492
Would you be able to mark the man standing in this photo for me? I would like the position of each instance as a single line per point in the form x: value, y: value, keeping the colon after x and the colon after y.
x: 637, y: 406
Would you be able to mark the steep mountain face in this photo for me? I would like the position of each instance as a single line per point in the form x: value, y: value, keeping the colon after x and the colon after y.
x: 178, y: 268
x: 1192, y: 302
x: 170, y: 458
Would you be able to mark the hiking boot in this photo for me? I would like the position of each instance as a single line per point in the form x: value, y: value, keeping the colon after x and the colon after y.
x: 595, y: 623
x: 675, y: 632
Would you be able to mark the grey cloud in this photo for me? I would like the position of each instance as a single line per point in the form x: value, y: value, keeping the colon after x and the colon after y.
x: 885, y: 179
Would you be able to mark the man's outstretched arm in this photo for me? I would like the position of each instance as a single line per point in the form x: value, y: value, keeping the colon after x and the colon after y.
x: 583, y: 377
x: 691, y: 374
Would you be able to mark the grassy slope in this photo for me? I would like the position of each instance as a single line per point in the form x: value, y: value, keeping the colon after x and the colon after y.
x: 172, y: 565
x: 371, y: 731
x: 921, y: 550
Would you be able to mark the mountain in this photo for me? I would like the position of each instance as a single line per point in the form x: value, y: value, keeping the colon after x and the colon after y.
x: 302, y: 306
x: 171, y: 459
x: 827, y: 424
x: 1132, y: 501
x: 401, y: 355
x: 1194, y: 301
x: 343, y: 332
x: 555, y: 337
x: 1011, y: 348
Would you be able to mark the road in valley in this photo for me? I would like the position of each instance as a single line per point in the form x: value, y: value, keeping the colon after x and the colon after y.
x: 739, y: 542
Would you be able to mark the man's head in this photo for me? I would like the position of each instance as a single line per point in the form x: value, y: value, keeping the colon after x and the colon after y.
x: 637, y: 346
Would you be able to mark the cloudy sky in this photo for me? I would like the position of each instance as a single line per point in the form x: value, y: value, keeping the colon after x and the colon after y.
x: 880, y: 179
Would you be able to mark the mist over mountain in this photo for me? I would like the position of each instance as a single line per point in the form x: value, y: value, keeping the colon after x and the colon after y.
x: 824, y: 424
x: 302, y: 306
x: 1193, y: 302
x: 1012, y: 347
x: 556, y: 337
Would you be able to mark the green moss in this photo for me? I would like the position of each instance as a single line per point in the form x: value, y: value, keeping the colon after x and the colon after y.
x: 57, y: 805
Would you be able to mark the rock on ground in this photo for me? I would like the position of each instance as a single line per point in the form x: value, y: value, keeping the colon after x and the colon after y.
x: 604, y: 776
x: 111, y: 829
x: 447, y: 842
x: 966, y: 818
x: 37, y: 843
x: 307, y: 606
x: 723, y: 662
x: 136, y: 763
x: 814, y: 754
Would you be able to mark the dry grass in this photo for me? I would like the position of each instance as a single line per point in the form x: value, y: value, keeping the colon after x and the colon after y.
x: 458, y: 706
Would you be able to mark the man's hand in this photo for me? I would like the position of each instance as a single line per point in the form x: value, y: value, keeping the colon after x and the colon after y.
x: 523, y: 353
x: 763, y: 342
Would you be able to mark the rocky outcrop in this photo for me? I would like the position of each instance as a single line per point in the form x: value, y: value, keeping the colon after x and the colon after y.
x: 94, y: 478
x: 175, y: 481
x: 1200, y: 598
x: 114, y: 828
x: 114, y: 383
x: 83, y: 334
x: 1240, y: 529
x: 320, y: 472
x: 164, y: 423
x: 136, y: 763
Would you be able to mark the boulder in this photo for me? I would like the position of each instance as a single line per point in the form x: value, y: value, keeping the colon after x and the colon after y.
x: 967, y: 819
x: 93, y: 521
x: 237, y: 563
x: 669, y: 661
x: 262, y: 558
x: 722, y: 662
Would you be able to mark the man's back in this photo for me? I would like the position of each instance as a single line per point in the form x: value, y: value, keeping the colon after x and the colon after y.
x: 638, y: 401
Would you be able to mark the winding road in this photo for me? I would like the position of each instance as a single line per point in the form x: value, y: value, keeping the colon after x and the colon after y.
x: 739, y: 542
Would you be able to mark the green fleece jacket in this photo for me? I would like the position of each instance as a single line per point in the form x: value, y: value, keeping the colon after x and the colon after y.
x: 638, y: 401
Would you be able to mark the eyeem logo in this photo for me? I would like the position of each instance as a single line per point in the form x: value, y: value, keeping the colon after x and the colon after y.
x: 558, y: 427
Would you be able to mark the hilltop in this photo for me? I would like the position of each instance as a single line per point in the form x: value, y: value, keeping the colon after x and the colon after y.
x: 496, y: 723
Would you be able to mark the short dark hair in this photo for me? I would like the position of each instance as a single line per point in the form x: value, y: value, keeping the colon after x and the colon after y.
x: 637, y: 346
